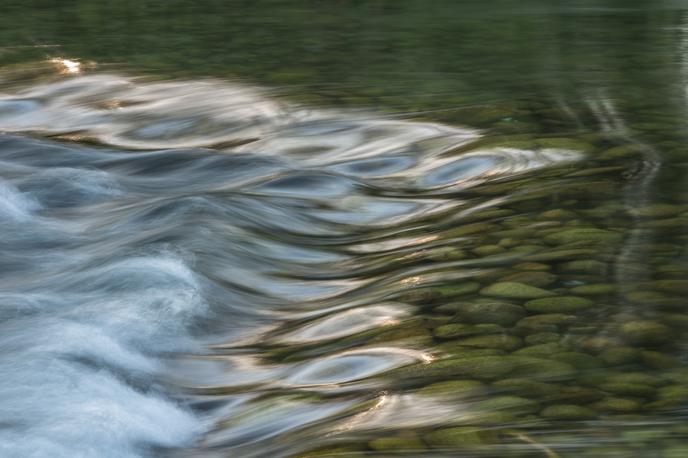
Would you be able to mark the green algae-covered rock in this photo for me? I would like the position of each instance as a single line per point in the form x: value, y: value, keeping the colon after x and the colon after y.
x: 396, y: 444
x: 584, y: 266
x: 614, y: 404
x: 515, y: 290
x: 499, y: 341
x: 546, y: 319
x: 445, y: 253
x: 568, y: 412
x: 657, y: 210
x: 537, y: 368
x: 557, y: 214
x: 645, y: 332
x: 675, y: 451
x: 669, y: 286
x: 543, y: 350
x: 487, y: 250
x: 561, y: 255
x: 591, y: 235
x: 500, y: 313
x: 512, y: 404
x: 470, y: 229
x: 558, y: 304
x: 454, y: 388
x: 598, y: 289
x: 542, y: 338
x: 641, y: 378
x: 454, y: 330
x: 581, y: 361
x: 526, y: 387
x: 577, y: 395
x: 628, y: 389
x: 473, y: 367
x: 532, y: 278
x: 459, y: 289
x: 659, y: 360
x: 458, y: 437
x: 616, y: 356
x: 454, y: 349
x: 537, y: 266
x: 622, y: 151
x: 674, y: 392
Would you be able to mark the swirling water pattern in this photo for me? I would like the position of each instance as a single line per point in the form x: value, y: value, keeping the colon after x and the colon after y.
x: 173, y: 243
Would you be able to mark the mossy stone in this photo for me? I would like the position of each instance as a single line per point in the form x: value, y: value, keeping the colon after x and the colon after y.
x: 642, y: 378
x: 557, y: 214
x: 568, y: 412
x: 543, y: 350
x: 659, y: 360
x: 669, y: 286
x: 537, y: 266
x: 488, y: 250
x: 657, y: 210
x: 459, y: 289
x: 474, y: 367
x: 470, y: 229
x: 558, y: 304
x: 515, y: 290
x: 581, y: 361
x: 540, y: 368
x: 561, y: 255
x: 577, y: 394
x: 584, y: 266
x: 621, y: 151
x: 499, y: 341
x: 674, y: 392
x: 547, y: 319
x: 614, y: 404
x: 628, y: 389
x: 454, y: 388
x: 542, y: 338
x: 599, y: 289
x: 619, y: 355
x: 512, y: 404
x: 500, y: 313
x: 454, y: 330
x: 396, y: 444
x: 446, y: 253
x: 458, y: 437
x: 675, y: 451
x: 645, y: 332
x: 591, y: 235
x: 526, y: 387
x: 532, y: 278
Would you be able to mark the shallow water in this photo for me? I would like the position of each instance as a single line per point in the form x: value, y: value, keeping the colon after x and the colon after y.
x: 483, y: 258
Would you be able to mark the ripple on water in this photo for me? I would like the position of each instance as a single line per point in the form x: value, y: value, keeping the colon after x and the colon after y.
x: 242, y: 218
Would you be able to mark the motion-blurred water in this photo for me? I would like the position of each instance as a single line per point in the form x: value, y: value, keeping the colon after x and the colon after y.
x: 490, y: 265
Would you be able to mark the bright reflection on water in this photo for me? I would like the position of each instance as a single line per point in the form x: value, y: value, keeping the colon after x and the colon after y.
x: 196, y: 268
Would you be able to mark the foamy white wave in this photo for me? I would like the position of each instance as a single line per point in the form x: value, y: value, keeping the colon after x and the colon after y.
x: 14, y: 205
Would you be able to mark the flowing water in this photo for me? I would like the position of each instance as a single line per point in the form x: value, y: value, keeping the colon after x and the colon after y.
x: 343, y: 229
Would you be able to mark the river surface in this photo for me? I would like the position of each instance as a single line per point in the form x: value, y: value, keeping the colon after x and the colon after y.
x: 343, y: 229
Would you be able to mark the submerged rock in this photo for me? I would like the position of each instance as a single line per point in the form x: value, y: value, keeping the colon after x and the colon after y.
x: 569, y: 412
x: 558, y: 304
x: 515, y: 290
x: 454, y: 388
x: 591, y: 235
x: 645, y: 332
x: 500, y: 313
x: 532, y: 278
x: 459, y: 436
